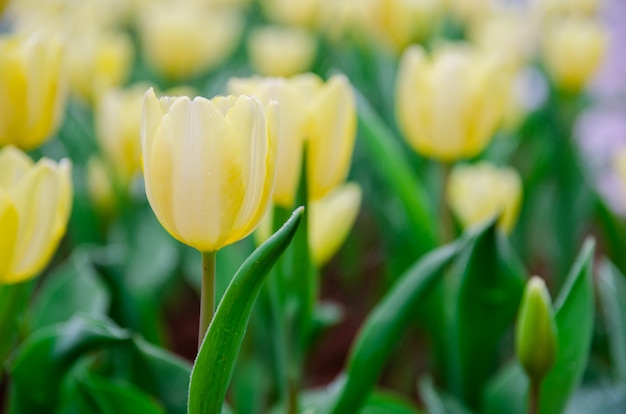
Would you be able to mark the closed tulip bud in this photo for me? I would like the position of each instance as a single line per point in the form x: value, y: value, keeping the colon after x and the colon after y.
x: 32, y: 90
x: 118, y: 128
x: 330, y: 133
x: 208, y: 166
x: 281, y: 51
x: 181, y: 40
x: 477, y: 193
x: 536, y: 336
x: 35, y: 203
x: 331, y: 220
x: 291, y: 96
x: 97, y: 62
x: 573, y: 50
x: 449, y: 105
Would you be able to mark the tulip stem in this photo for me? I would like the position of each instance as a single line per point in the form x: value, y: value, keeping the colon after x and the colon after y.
x: 207, y: 296
x: 533, y: 397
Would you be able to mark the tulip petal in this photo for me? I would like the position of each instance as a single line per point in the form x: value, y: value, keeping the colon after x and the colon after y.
x: 8, y: 235
x: 13, y: 165
x: 37, y: 198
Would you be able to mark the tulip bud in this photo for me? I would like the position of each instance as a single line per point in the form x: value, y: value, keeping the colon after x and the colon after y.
x: 208, y: 166
x: 181, y: 40
x: 536, y: 333
x: 480, y: 192
x: 450, y: 105
x: 32, y: 90
x: 281, y: 51
x: 35, y: 203
x: 573, y: 50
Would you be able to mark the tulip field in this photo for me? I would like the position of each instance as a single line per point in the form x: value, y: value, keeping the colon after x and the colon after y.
x: 312, y: 206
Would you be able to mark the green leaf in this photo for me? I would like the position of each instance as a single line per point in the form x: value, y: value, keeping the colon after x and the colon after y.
x: 384, y: 403
x: 508, y: 391
x: 216, y: 359
x: 384, y: 326
x: 388, y: 157
x: 44, y: 358
x: 72, y: 288
x: 117, y: 397
x: 438, y: 402
x: 162, y: 374
x: 487, y: 285
x: 13, y: 302
x: 612, y: 291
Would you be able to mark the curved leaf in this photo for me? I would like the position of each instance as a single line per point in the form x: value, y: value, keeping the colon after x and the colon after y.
x: 384, y: 327
x: 216, y: 359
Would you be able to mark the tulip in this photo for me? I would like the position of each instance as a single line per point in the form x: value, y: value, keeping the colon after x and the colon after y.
x: 450, y: 105
x: 330, y: 133
x: 35, y: 203
x: 281, y: 51
x: 97, y: 62
x: 32, y: 90
x: 321, y: 114
x: 573, y: 50
x: 536, y: 334
x: 331, y: 219
x: 295, y: 13
x: 118, y: 128
x: 208, y: 166
x: 477, y: 193
x: 181, y: 40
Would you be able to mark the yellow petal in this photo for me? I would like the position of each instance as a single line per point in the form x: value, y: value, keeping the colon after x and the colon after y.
x: 13, y: 165
x: 331, y: 135
x: 37, y: 197
x: 332, y: 218
x: 8, y: 235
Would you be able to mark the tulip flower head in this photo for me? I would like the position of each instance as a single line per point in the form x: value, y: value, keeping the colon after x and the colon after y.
x: 35, y: 203
x: 32, y: 89
x: 449, y: 105
x: 477, y: 193
x: 281, y: 51
x: 209, y: 166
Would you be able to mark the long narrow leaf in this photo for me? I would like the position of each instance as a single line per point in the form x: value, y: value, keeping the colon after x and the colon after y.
x: 216, y: 359
x: 384, y: 327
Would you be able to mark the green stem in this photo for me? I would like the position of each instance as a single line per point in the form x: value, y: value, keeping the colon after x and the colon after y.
x: 207, y: 298
x: 447, y: 230
x: 533, y: 397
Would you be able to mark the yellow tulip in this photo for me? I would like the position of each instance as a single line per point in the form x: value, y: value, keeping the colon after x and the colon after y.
x: 209, y: 166
x: 302, y: 13
x: 573, y: 50
x: 480, y: 192
x: 35, y: 203
x: 322, y: 114
x: 450, y: 105
x: 118, y: 127
x: 331, y: 219
x: 32, y: 90
x: 330, y: 133
x: 98, y: 61
x: 281, y: 51
x: 181, y: 40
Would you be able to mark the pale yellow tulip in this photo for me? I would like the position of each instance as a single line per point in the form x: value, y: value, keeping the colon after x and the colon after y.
x: 450, y: 105
x: 209, y: 166
x: 35, y: 203
x: 281, y: 51
x: 573, y: 50
x: 32, y: 89
x: 480, y: 192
